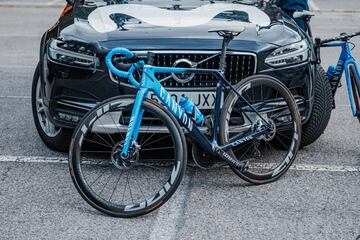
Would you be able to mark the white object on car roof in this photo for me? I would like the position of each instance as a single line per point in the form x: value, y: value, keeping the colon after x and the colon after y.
x: 100, y: 19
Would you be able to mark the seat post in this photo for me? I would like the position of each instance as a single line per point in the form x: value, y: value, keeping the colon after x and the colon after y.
x: 228, y: 33
x: 225, y: 43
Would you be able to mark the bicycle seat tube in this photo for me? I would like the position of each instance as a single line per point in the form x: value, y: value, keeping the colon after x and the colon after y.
x: 225, y: 43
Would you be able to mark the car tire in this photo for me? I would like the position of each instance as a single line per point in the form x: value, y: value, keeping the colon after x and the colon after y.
x: 55, y: 138
x: 321, y: 111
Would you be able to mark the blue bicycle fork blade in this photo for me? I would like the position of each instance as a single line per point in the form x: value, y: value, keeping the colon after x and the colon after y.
x: 135, y: 121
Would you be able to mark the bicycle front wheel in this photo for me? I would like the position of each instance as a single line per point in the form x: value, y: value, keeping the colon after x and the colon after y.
x: 269, y: 156
x: 151, y: 173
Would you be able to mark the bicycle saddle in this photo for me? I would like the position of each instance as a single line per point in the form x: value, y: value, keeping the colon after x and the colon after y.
x: 229, y: 31
x: 303, y: 14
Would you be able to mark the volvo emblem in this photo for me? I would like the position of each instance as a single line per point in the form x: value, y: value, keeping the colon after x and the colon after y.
x: 183, y: 77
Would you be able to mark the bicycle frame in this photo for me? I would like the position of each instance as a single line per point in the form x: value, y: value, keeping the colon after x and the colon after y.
x: 150, y: 83
x: 347, y: 64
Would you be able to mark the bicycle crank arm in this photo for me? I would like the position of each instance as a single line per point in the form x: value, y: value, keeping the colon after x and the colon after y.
x: 241, y: 166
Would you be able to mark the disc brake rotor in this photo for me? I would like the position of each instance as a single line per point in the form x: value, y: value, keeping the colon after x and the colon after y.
x: 128, y: 162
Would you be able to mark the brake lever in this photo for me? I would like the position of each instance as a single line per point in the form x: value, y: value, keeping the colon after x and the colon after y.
x: 131, y: 71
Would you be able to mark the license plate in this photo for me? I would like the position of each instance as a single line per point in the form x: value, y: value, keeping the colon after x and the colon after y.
x: 203, y: 100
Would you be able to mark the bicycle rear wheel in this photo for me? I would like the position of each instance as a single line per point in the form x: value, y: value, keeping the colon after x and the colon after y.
x: 150, y: 175
x: 275, y: 104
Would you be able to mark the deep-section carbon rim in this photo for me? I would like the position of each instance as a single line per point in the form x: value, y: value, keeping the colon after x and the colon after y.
x: 155, y: 170
x: 269, y: 157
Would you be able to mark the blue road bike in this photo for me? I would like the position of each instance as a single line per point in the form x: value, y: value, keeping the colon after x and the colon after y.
x: 128, y: 155
x: 348, y: 65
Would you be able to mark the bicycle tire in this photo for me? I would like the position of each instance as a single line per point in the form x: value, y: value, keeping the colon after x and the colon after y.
x: 146, y: 205
x: 355, y: 88
x: 282, y: 167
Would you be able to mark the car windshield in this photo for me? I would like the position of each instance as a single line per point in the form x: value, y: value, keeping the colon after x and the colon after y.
x: 169, y: 4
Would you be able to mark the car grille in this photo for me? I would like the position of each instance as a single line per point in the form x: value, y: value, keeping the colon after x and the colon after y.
x: 238, y: 66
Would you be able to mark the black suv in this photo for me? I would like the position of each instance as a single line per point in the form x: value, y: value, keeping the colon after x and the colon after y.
x: 70, y: 78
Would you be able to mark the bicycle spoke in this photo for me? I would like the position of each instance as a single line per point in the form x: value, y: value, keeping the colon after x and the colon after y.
x: 118, y: 180
x: 102, y: 139
x: 155, y: 131
x: 284, y: 145
x: 159, y: 148
x: 244, y: 154
x: 274, y: 164
x: 105, y: 145
x: 127, y: 178
x: 282, y: 135
x: 106, y: 131
x: 162, y: 138
x: 144, y: 134
x: 122, y: 138
x: 105, y: 184
x: 140, y: 189
x: 279, y: 114
x: 103, y: 172
x: 89, y: 151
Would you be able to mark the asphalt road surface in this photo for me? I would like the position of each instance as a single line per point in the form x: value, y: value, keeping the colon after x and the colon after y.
x: 318, y: 199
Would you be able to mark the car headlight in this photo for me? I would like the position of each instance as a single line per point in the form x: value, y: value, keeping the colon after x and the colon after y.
x: 290, y: 54
x: 72, y: 53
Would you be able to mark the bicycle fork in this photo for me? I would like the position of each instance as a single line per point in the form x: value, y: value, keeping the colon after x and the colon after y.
x: 135, y: 121
x: 353, y: 85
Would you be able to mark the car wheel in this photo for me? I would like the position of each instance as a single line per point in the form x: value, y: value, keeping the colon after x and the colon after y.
x: 54, y: 137
x: 321, y: 111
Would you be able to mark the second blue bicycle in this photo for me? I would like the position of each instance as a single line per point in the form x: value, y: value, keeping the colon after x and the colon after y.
x: 346, y: 64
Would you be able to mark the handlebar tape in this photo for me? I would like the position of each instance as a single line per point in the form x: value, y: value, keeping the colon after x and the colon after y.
x: 117, y: 51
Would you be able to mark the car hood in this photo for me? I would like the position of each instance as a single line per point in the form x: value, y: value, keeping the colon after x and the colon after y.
x: 265, y: 24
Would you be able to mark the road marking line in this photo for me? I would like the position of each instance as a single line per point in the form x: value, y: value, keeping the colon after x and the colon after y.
x: 22, y: 97
x: 297, y: 167
x: 313, y: 5
x: 32, y: 159
x: 324, y: 168
x: 168, y: 216
x: 17, y: 66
